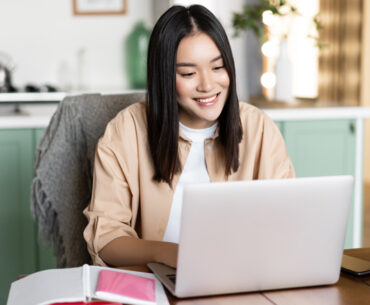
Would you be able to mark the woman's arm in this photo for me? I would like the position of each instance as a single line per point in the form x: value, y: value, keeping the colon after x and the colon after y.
x: 115, y: 201
x: 129, y: 251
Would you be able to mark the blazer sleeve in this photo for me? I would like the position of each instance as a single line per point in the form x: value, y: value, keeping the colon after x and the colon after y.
x: 113, y: 207
x: 275, y: 162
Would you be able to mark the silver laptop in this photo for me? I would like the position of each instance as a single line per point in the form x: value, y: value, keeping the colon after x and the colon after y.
x: 259, y: 235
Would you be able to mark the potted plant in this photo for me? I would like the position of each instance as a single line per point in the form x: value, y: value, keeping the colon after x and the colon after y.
x: 252, y: 16
x: 273, y: 21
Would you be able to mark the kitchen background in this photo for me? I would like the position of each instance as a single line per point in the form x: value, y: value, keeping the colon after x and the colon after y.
x: 44, y: 43
x: 78, y: 53
x: 69, y: 51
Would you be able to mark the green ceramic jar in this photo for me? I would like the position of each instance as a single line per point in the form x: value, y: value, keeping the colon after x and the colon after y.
x: 136, y: 47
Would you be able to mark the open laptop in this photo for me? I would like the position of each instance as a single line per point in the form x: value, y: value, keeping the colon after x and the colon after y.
x: 259, y: 235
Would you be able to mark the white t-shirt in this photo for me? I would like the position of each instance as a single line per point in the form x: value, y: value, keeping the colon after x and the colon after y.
x: 194, y: 171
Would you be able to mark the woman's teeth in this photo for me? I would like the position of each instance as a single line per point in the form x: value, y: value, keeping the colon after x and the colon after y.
x: 206, y: 100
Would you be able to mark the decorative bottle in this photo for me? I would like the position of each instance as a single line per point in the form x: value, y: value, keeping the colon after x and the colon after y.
x: 136, y: 48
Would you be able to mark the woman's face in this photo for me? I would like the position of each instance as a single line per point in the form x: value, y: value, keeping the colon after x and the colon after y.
x: 202, y: 82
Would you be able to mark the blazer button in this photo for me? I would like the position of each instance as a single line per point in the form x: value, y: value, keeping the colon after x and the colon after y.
x: 209, y: 146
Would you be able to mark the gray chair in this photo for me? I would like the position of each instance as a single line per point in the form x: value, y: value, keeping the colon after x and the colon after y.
x: 64, y: 161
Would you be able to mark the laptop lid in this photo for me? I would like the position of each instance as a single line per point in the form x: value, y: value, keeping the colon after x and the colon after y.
x: 262, y: 234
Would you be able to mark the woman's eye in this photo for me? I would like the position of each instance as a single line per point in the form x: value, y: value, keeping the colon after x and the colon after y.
x: 187, y: 74
x: 218, y: 68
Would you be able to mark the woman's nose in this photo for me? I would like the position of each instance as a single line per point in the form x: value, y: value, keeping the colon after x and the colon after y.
x: 206, y: 82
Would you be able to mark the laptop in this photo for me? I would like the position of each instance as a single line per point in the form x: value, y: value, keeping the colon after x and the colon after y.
x: 259, y: 235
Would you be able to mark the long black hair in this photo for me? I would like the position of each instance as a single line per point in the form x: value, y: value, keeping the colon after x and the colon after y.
x: 162, y: 108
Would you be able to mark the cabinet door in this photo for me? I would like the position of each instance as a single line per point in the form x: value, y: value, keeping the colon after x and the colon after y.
x: 45, y: 256
x: 322, y: 148
x: 17, y: 230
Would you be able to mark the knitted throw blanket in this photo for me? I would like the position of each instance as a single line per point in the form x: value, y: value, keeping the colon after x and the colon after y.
x: 64, y: 159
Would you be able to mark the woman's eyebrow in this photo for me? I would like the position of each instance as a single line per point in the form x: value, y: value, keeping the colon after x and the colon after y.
x: 216, y: 58
x: 185, y: 64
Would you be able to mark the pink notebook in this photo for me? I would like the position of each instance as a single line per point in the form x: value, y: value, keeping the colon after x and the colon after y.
x: 127, y: 285
x: 86, y: 303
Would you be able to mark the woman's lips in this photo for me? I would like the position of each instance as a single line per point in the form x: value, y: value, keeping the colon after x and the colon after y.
x: 208, y: 101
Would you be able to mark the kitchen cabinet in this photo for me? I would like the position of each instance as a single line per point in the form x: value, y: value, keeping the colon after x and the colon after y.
x: 323, y: 148
x: 320, y: 148
x: 17, y: 230
x: 20, y: 253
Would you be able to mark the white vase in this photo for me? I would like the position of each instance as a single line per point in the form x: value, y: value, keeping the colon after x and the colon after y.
x: 284, y: 75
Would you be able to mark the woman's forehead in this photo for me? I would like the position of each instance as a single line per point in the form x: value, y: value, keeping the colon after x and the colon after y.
x: 197, y: 47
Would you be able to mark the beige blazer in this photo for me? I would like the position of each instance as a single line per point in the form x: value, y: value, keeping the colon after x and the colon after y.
x: 127, y: 202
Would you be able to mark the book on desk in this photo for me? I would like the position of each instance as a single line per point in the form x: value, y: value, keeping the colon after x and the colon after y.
x: 86, y: 283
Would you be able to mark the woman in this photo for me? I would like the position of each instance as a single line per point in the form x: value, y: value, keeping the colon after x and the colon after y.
x: 192, y: 129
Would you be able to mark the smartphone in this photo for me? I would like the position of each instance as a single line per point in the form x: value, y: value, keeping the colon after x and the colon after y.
x: 355, y: 266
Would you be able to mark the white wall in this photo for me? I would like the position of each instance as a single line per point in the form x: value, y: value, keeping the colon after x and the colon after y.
x: 44, y: 39
x: 239, y: 44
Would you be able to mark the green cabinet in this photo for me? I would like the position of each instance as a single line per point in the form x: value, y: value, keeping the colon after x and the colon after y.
x: 17, y: 230
x: 21, y: 252
x: 322, y: 148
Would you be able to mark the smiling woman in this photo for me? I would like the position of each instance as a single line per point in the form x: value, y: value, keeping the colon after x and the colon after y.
x: 191, y: 129
x: 201, y: 77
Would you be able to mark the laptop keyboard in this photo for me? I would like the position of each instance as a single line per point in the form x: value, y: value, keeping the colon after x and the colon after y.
x: 172, y: 278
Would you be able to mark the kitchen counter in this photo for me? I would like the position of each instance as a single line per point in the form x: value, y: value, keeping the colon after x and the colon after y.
x: 30, y: 116
x: 51, y: 97
x: 36, y: 109
x: 325, y: 113
x: 28, y: 110
x: 47, y: 97
x: 309, y: 110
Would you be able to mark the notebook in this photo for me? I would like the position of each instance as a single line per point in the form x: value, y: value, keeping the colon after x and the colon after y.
x: 112, y: 285
x: 259, y: 235
x: 87, y: 283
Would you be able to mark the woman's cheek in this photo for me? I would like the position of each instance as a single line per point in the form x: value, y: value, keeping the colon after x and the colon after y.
x: 224, y: 79
x: 183, y: 87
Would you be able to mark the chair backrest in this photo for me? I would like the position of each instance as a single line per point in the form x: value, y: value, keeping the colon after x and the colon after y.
x: 64, y: 160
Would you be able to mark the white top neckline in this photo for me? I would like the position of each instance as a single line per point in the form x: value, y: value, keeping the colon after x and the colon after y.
x: 198, y: 135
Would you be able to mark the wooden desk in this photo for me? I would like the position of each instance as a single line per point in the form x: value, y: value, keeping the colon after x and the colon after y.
x: 349, y: 290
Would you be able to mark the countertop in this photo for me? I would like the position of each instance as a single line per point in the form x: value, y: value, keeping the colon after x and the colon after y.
x: 47, y: 97
x: 52, y: 97
x: 36, y: 110
x: 30, y: 116
x: 310, y: 110
x: 328, y: 113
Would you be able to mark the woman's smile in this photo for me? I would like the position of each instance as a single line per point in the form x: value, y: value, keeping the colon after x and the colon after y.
x: 207, y: 101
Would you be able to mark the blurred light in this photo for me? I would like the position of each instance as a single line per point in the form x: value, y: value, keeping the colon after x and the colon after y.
x: 269, y: 49
x: 268, y: 80
x: 268, y: 18
x: 284, y: 10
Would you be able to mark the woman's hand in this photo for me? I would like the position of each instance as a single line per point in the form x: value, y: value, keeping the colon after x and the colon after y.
x: 129, y: 251
x: 167, y: 254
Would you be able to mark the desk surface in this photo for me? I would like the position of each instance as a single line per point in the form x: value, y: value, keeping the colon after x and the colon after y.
x: 349, y: 290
